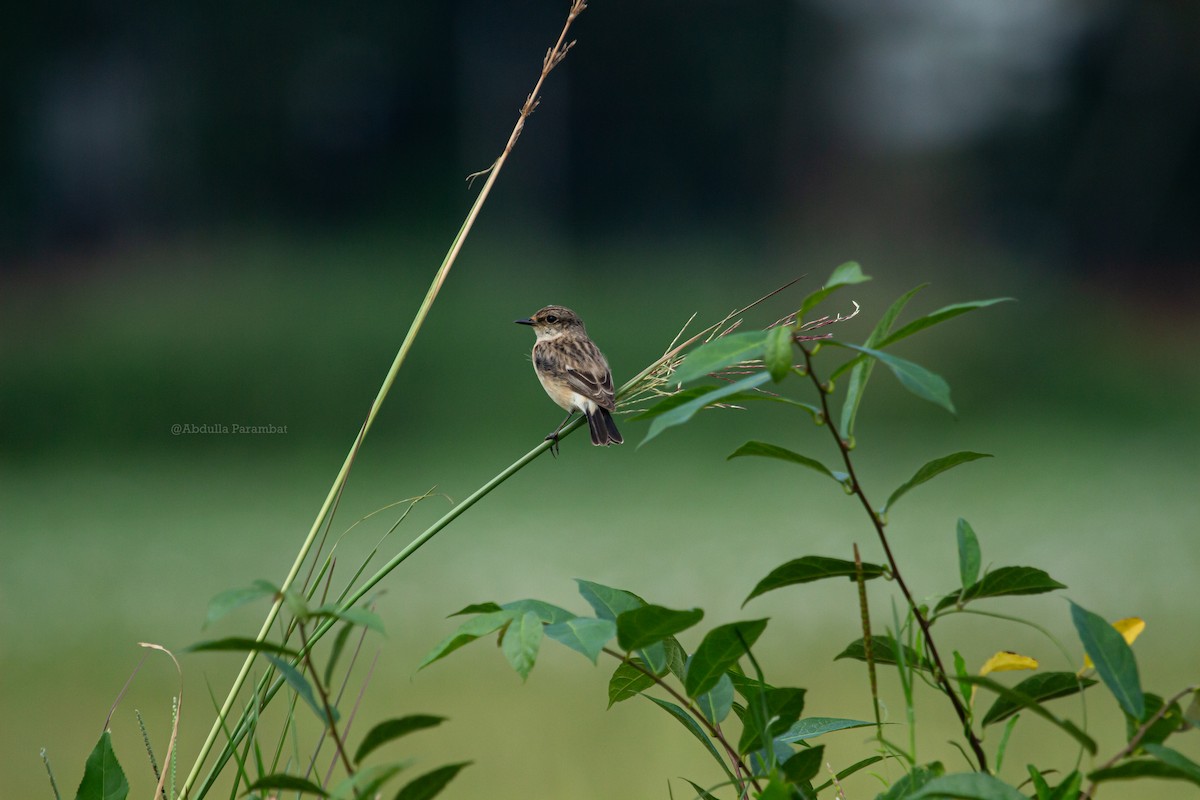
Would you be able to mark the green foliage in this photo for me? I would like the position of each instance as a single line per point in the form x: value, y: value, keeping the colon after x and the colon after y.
x: 392, y: 729
x: 103, y: 778
x: 1113, y: 659
x: 812, y: 568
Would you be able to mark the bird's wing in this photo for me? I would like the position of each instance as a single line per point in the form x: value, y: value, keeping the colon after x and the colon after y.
x: 592, y: 378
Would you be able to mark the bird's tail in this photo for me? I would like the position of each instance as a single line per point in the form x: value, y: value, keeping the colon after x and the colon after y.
x: 603, y: 428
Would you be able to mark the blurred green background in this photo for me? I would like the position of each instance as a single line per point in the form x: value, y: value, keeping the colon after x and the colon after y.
x: 227, y: 215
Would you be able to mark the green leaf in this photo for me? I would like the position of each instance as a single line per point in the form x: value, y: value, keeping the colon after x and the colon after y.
x: 771, y: 711
x: 884, y: 651
x: 862, y: 366
x: 477, y: 608
x: 753, y: 448
x: 642, y: 627
x: 701, y: 792
x: 720, y: 649
x: 431, y: 783
x: 686, y: 395
x: 931, y: 470
x: 968, y: 786
x: 676, y: 657
x: 777, y: 352
x: 693, y: 727
x: 941, y: 315
x: 812, y: 727
x: 1113, y: 659
x: 722, y: 352
x: 850, y: 770
x: 335, y: 653
x: 805, y: 765
x: 392, y: 729
x: 918, y: 380
x: 685, y: 412
x: 230, y: 599
x: 366, y: 783
x: 812, y: 568
x: 606, y: 601
x: 1003, y: 582
x: 239, y: 644
x: 355, y: 616
x: 281, y: 781
x: 546, y: 612
x: 1168, y: 723
x: 1139, y: 768
x: 1173, y: 758
x: 301, y: 687
x: 468, y: 632
x: 1023, y: 700
x: 845, y: 275
x: 969, y: 555
x: 586, y: 635
x: 654, y: 656
x: 716, y: 702
x: 521, y: 642
x: 914, y: 780
x: 775, y: 790
x: 627, y: 681
x: 103, y: 778
x: 1038, y: 688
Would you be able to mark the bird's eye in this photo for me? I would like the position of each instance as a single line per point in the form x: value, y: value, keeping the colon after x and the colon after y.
x: 552, y: 319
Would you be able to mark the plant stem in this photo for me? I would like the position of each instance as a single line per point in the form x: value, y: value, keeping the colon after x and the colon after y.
x: 867, y: 645
x: 316, y: 679
x: 714, y: 730
x: 553, y: 57
x: 1136, y: 739
x: 941, y: 676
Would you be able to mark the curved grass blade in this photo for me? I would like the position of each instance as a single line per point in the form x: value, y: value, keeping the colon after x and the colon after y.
x: 941, y: 315
x: 720, y: 353
x: 683, y: 413
x: 754, y: 448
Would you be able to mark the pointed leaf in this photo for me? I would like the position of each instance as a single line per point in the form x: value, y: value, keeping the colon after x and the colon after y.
x: 914, y: 780
x: 1007, y: 661
x: 968, y: 786
x: 845, y: 275
x: 685, y: 412
x: 366, y: 783
x: 753, y: 448
x: 468, y: 632
x: 918, y: 380
x: 1139, y: 768
x: 862, y: 366
x: 969, y: 556
x: 1176, y: 759
x: 335, y: 653
x: 521, y: 642
x: 693, y: 727
x: 1113, y: 659
x: 1023, y: 700
x: 721, y: 648
x: 586, y: 635
x: 103, y: 778
x: 1003, y: 582
x: 717, y: 701
x: 722, y: 352
x: 1038, y: 688
x: 812, y: 727
x: 430, y: 784
x: 355, y: 616
x: 392, y: 729
x: 804, y: 765
x: 686, y: 395
x: 627, y: 681
x: 642, y: 627
x: 812, y: 568
x: 701, y: 792
x: 606, y: 601
x: 777, y: 352
x: 239, y: 644
x: 477, y: 608
x: 941, y: 315
x: 884, y: 651
x: 288, y: 783
x: 931, y: 470
x: 772, y: 711
x: 546, y: 612
x: 230, y: 599
x: 850, y: 770
x: 301, y: 687
x: 1168, y: 723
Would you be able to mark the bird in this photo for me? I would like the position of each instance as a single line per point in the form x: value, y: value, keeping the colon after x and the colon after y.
x: 573, y: 372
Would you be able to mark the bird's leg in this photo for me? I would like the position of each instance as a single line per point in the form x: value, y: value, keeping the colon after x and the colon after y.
x: 553, y: 437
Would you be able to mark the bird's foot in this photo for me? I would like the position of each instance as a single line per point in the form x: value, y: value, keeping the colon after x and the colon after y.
x: 553, y: 439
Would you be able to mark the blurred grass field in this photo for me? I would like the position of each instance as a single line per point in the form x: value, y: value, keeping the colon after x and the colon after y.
x: 115, y: 531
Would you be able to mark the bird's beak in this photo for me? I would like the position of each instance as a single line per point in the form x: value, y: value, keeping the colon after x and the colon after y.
x: 523, y: 321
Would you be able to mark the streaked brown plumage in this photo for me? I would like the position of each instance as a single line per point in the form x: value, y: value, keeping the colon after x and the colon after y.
x: 573, y: 372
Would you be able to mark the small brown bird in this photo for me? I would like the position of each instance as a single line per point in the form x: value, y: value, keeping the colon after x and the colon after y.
x: 573, y: 372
